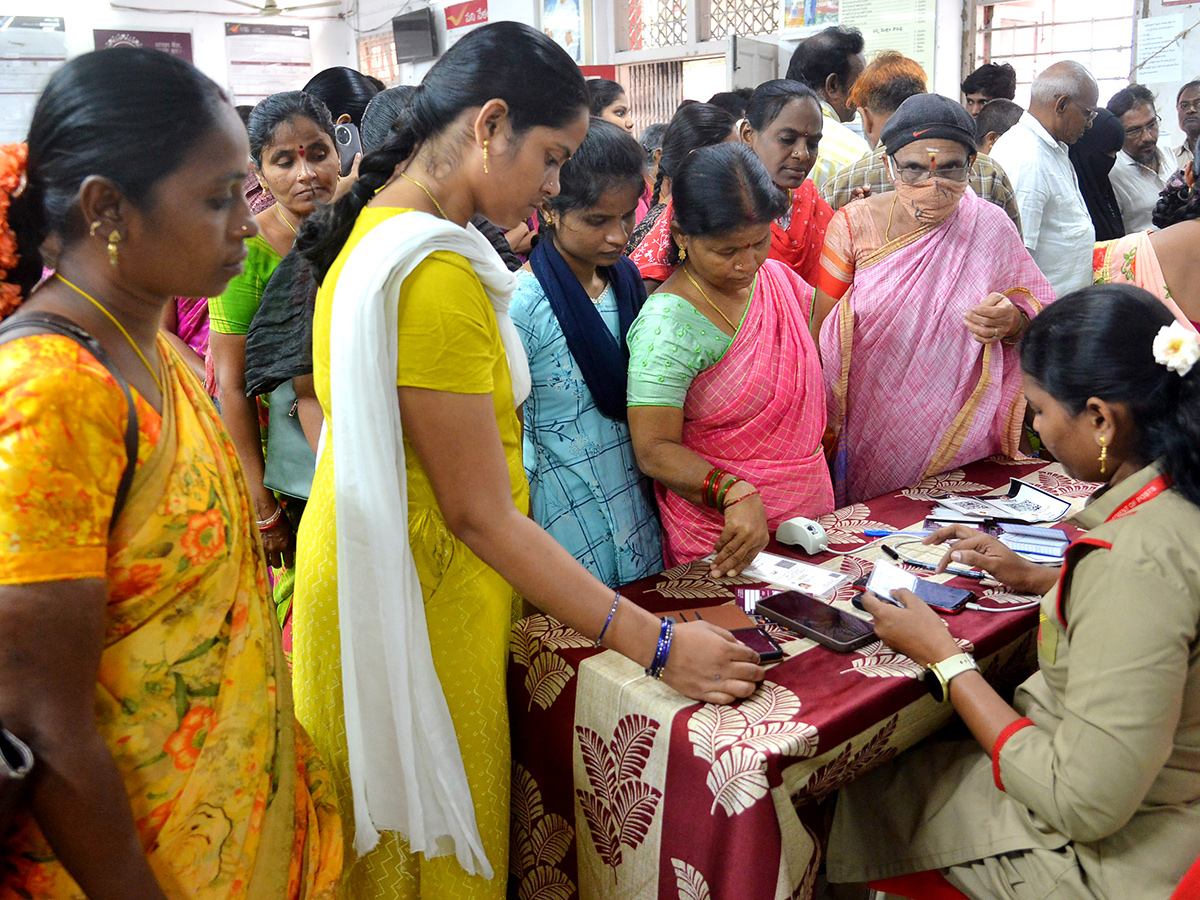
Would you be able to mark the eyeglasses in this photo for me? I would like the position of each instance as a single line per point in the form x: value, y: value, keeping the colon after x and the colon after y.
x: 1091, y: 113
x: 1148, y: 128
x: 911, y: 173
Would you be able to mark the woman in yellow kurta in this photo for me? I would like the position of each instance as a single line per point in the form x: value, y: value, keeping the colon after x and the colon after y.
x: 142, y: 663
x: 401, y: 645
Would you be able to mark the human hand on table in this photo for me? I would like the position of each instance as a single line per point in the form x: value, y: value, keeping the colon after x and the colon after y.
x: 708, y: 663
x: 913, y: 629
x: 745, y: 532
x: 970, y: 547
x: 995, y: 319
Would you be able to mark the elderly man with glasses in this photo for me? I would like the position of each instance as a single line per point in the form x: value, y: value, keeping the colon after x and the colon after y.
x: 1142, y: 167
x: 1054, y: 218
x: 1187, y: 105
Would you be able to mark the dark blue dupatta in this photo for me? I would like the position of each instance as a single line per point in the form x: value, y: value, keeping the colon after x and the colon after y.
x: 603, y: 359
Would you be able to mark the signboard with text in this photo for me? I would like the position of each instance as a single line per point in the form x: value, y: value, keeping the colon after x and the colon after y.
x: 177, y: 43
x: 460, y: 15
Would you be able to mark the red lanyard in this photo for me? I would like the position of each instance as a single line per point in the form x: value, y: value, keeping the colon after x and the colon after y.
x: 1149, y: 492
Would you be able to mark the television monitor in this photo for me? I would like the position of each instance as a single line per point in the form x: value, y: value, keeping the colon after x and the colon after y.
x: 415, y: 36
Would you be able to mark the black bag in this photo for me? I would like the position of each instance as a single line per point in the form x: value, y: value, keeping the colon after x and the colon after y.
x: 16, y: 759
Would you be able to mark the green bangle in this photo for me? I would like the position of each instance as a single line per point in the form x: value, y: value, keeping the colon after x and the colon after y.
x: 724, y: 491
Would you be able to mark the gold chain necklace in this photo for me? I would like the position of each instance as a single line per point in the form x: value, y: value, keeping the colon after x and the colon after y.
x: 432, y: 198
x: 696, y: 285
x: 285, y: 219
x: 119, y: 327
x: 891, y: 212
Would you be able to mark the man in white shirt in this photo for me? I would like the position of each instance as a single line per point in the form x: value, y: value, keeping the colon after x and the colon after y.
x: 1054, y: 219
x: 830, y: 62
x: 1142, y: 169
x: 1187, y: 104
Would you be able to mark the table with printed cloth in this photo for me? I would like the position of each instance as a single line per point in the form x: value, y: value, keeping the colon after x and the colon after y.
x: 623, y: 788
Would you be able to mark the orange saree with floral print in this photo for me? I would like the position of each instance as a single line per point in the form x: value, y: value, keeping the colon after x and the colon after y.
x: 193, y: 696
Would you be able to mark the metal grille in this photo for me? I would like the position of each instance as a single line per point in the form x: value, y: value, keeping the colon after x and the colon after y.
x: 654, y: 90
x: 745, y: 17
x: 1033, y: 34
x: 657, y: 23
x: 377, y: 57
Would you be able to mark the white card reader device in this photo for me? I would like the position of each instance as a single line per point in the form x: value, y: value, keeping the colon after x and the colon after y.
x: 806, y: 534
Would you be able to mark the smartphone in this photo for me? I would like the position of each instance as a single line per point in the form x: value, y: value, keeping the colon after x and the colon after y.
x: 825, y: 624
x: 939, y: 596
x: 759, y: 641
x: 349, y: 145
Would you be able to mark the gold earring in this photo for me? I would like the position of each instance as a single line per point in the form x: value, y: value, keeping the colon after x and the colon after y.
x: 682, y: 253
x: 1103, y: 455
x: 485, y: 165
x: 95, y: 226
x: 114, y: 238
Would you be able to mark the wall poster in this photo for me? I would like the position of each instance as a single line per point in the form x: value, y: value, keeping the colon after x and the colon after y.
x: 176, y: 43
x: 31, y: 48
x: 563, y: 21
x: 266, y: 59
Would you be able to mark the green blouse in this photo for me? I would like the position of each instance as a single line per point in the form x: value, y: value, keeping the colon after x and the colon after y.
x: 232, y: 312
x: 670, y: 343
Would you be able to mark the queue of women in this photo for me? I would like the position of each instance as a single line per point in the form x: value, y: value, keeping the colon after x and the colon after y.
x: 548, y: 435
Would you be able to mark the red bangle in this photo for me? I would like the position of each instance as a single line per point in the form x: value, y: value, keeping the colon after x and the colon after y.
x: 706, y: 491
x: 751, y: 493
x: 268, y: 523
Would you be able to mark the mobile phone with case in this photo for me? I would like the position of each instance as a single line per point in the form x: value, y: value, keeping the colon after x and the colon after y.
x: 825, y: 624
x: 760, y: 642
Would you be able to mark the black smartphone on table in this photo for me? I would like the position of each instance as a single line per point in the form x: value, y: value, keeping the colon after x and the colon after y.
x: 760, y: 642
x: 825, y: 624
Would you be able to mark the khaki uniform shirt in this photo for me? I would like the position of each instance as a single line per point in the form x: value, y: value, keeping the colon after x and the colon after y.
x: 1102, y: 790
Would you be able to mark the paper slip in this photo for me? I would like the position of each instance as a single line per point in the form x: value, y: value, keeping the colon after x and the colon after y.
x: 886, y: 578
x: 1024, y: 503
x: 795, y: 574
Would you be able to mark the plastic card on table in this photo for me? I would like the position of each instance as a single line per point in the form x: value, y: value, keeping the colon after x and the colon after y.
x: 798, y: 576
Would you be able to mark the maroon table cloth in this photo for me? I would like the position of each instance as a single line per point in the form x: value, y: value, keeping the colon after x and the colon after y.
x: 623, y: 788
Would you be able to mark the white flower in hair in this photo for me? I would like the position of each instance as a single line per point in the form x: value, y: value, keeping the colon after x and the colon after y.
x: 1177, y: 347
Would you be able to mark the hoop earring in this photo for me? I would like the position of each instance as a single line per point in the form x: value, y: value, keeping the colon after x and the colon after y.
x: 114, y: 238
x: 485, y: 159
x: 1103, y: 455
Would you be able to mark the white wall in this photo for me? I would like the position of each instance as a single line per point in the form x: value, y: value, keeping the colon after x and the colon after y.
x: 374, y: 17
x: 1170, y: 132
x: 332, y: 43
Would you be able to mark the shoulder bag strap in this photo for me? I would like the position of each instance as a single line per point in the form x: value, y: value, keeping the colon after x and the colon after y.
x: 41, y: 322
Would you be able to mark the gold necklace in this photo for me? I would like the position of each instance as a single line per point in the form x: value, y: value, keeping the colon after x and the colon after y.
x: 119, y: 327
x: 432, y: 198
x: 696, y: 285
x: 285, y: 219
x: 891, y: 212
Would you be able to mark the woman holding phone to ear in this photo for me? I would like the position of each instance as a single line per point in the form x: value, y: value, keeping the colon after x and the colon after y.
x: 416, y: 532
x: 1093, y: 779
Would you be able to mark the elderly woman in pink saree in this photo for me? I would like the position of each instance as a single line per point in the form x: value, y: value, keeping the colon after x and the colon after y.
x: 924, y: 295
x: 726, y: 405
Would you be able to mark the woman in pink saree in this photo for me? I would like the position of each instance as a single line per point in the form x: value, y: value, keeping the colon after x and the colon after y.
x: 726, y: 406
x: 924, y: 294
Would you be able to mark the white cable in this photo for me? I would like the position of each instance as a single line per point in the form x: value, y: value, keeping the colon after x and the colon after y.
x: 1004, y: 609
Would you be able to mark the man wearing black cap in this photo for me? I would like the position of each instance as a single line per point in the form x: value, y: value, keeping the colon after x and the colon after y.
x: 921, y: 277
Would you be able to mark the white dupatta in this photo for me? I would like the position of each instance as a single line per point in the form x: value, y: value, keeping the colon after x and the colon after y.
x: 406, y: 769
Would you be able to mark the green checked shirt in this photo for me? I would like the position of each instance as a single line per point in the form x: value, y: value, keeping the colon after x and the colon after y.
x: 987, y: 180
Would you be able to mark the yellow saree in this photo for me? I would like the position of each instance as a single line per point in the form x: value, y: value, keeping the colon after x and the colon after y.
x: 193, y: 696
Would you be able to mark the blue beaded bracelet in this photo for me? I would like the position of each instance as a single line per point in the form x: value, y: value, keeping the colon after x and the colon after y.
x: 608, y: 621
x: 659, y: 663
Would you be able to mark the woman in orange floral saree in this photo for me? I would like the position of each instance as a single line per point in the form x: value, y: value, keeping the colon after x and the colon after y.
x: 139, y: 657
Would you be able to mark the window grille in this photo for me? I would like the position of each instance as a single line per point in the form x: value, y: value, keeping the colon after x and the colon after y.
x: 377, y: 57
x: 654, y: 90
x: 745, y: 17
x: 657, y: 23
x: 1033, y: 34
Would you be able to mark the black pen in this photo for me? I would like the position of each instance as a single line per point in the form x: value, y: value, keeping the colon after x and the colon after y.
x: 920, y: 564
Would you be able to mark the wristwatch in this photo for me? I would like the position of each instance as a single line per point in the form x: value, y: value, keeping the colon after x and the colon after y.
x: 938, y: 675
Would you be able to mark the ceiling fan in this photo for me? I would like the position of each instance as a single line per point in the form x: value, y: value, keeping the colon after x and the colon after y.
x: 271, y: 8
